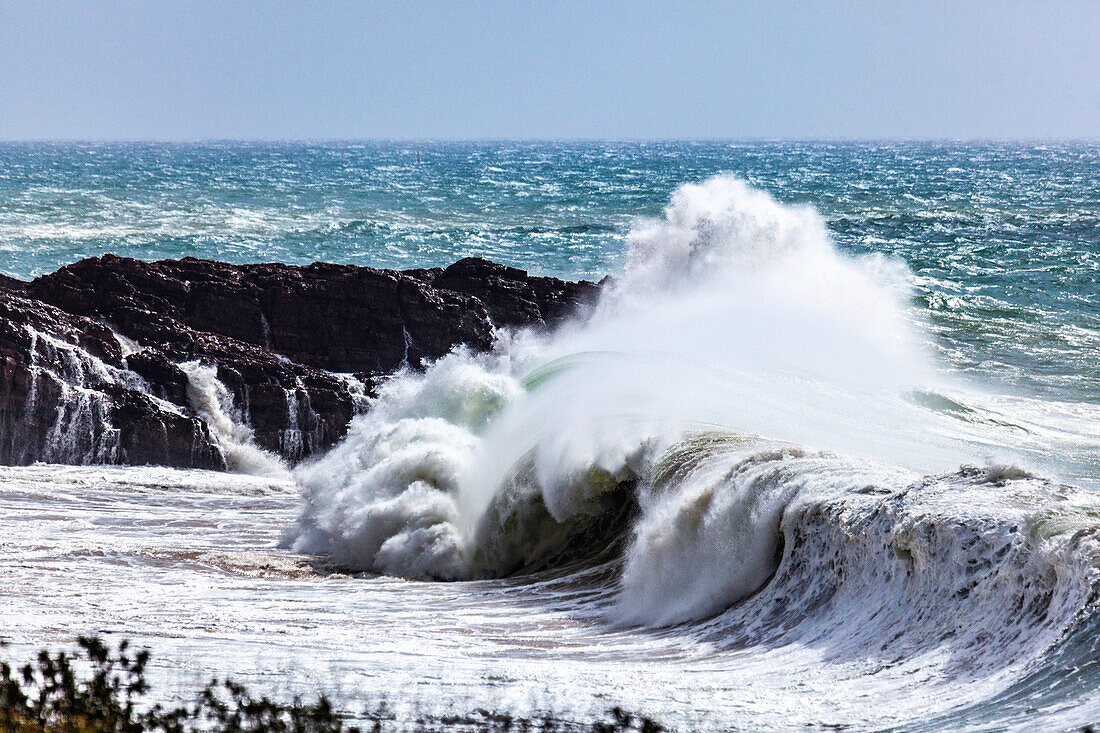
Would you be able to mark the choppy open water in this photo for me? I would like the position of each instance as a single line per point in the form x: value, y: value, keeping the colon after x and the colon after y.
x: 826, y: 453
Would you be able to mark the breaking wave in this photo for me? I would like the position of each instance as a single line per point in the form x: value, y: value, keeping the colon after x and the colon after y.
x: 740, y: 432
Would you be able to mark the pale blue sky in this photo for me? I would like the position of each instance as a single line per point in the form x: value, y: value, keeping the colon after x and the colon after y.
x: 198, y: 70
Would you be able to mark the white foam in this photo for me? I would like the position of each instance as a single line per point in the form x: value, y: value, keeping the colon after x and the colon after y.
x: 213, y: 403
x: 950, y: 585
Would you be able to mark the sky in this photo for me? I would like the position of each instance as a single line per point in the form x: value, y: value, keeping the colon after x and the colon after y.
x: 549, y: 70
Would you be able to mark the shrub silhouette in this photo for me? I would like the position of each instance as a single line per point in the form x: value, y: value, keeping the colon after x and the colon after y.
x: 97, y: 690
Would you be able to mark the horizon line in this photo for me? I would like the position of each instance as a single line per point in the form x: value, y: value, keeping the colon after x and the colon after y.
x: 536, y: 139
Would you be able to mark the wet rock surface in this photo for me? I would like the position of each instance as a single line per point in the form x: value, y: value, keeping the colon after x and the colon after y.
x: 91, y: 355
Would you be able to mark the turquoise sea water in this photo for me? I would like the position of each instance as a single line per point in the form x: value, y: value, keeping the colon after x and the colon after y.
x: 1003, y: 240
x: 919, y: 596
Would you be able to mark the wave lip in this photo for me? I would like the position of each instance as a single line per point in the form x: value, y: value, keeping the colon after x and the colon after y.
x: 711, y: 536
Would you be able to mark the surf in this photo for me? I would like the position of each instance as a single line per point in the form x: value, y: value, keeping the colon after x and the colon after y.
x: 738, y: 341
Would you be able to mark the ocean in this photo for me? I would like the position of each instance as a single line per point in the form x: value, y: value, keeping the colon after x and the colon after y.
x: 851, y: 392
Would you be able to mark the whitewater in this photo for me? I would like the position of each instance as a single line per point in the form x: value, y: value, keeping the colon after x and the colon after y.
x: 742, y: 489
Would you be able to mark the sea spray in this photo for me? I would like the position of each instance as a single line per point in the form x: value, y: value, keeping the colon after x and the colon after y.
x: 737, y: 316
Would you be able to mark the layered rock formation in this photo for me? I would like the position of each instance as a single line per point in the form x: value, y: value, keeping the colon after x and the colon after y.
x: 98, y: 360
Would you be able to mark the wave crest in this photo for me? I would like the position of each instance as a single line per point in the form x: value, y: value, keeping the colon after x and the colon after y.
x: 635, y: 432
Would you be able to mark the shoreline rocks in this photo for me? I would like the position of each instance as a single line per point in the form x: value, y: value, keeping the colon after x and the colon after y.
x: 90, y: 355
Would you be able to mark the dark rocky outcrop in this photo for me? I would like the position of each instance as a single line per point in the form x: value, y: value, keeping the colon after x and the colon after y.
x: 90, y: 356
x: 65, y: 397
